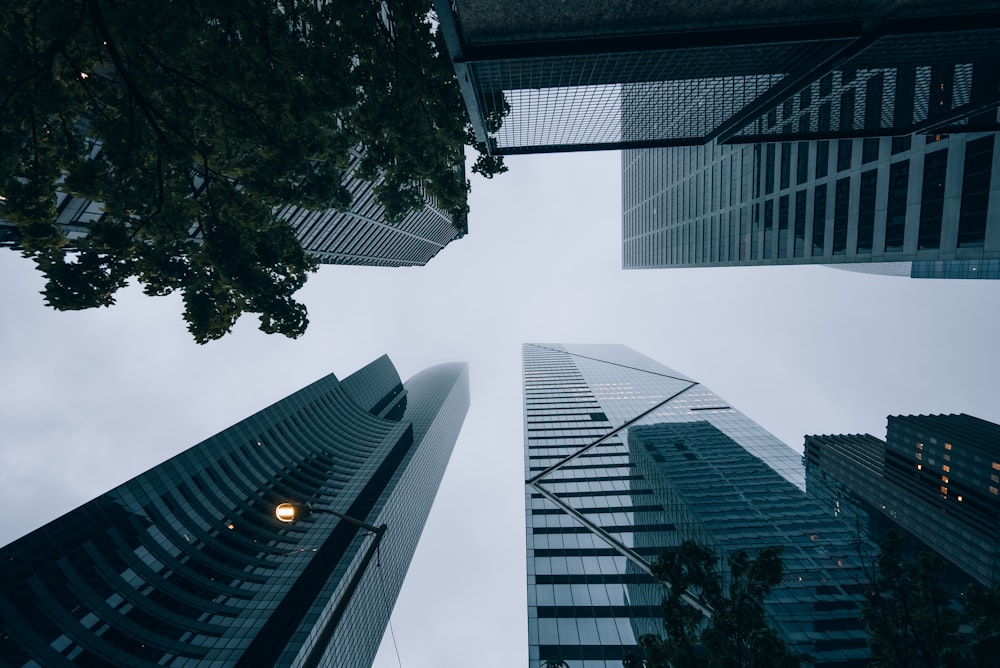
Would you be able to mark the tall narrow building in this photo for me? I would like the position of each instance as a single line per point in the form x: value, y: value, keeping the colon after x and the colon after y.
x: 187, y: 564
x: 937, y: 477
x: 625, y: 457
x: 359, y: 235
x: 925, y: 207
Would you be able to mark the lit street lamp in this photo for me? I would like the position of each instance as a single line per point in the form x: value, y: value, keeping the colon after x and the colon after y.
x: 290, y: 512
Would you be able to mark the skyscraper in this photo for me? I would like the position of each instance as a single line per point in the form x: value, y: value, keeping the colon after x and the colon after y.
x: 935, y: 476
x: 625, y: 457
x: 926, y: 207
x: 187, y: 564
x: 360, y: 235
x: 597, y: 76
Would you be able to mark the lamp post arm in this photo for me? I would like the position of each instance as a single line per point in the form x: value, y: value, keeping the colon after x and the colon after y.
x: 356, y: 522
x: 331, y: 622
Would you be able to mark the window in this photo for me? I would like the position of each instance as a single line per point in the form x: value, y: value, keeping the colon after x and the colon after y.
x: 769, y: 170
x: 768, y: 228
x: 866, y: 211
x: 895, y: 222
x: 802, y: 163
x: 819, y: 220
x: 822, y: 158
x: 932, y: 199
x: 783, y: 226
x: 786, y: 164
x: 800, y: 223
x: 840, y: 211
x: 975, y: 193
x: 869, y: 150
x: 845, y: 154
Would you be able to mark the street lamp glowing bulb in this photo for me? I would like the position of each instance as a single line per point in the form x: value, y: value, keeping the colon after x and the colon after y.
x: 285, y: 512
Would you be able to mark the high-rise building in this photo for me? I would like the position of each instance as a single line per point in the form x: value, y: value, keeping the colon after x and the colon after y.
x: 187, y: 564
x: 926, y: 207
x: 359, y: 236
x: 625, y: 457
x: 937, y: 477
x: 596, y: 75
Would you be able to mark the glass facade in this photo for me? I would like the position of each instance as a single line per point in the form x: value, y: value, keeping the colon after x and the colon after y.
x: 187, y: 565
x: 625, y: 457
x: 359, y: 236
x: 935, y: 476
x: 933, y: 203
x: 673, y: 74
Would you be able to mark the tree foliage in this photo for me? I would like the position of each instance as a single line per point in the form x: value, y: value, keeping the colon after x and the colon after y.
x: 192, y: 122
x: 916, y: 622
x: 737, y: 633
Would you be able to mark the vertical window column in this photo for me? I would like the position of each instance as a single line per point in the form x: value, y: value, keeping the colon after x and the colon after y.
x: 932, y: 200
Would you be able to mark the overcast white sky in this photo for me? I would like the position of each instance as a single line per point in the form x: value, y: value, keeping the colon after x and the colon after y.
x: 91, y: 399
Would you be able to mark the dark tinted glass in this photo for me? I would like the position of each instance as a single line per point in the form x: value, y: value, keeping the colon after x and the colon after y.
x: 800, y: 223
x: 840, y: 211
x: 975, y: 192
x: 869, y: 150
x: 822, y: 158
x: 932, y: 199
x: 819, y: 219
x: 783, y: 226
x: 768, y: 228
x: 845, y: 154
x: 895, y: 222
x: 786, y: 164
x: 900, y: 144
x: 866, y: 211
x: 802, y: 163
x: 769, y: 170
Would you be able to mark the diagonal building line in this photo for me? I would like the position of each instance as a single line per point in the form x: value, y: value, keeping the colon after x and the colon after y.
x: 597, y: 359
x: 620, y: 547
x: 562, y: 462
x: 594, y: 528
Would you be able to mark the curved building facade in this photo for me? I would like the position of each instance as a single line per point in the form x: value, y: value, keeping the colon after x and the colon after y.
x: 187, y: 565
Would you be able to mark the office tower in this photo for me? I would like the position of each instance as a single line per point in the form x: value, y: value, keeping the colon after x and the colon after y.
x: 935, y: 476
x: 359, y: 236
x: 625, y: 457
x: 187, y: 564
x: 926, y: 207
x: 592, y: 75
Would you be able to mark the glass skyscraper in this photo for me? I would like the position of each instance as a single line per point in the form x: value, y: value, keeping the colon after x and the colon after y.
x: 920, y: 206
x: 937, y: 477
x: 593, y: 75
x: 360, y: 235
x: 187, y: 565
x: 625, y: 457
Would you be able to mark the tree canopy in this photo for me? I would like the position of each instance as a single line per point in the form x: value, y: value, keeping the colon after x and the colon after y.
x: 737, y: 634
x: 916, y: 622
x: 192, y: 122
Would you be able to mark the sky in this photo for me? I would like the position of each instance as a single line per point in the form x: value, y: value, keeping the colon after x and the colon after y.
x: 91, y: 399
